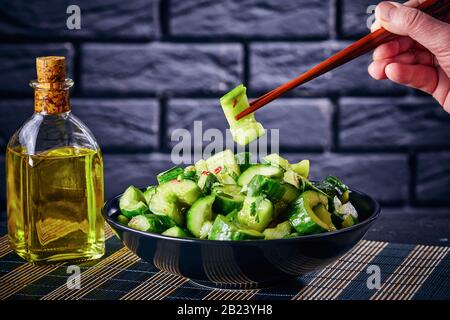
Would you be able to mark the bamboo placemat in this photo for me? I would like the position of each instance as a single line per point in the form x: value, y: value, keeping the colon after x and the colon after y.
x: 407, y: 272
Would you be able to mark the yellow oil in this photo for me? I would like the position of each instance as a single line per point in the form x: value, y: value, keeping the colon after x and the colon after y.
x: 53, y: 202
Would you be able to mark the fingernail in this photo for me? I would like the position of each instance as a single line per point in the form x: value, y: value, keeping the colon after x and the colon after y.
x: 384, y: 10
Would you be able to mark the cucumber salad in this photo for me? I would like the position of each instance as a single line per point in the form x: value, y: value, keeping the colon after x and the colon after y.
x: 226, y: 197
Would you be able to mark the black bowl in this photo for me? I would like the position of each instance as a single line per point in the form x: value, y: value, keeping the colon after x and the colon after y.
x: 244, y: 264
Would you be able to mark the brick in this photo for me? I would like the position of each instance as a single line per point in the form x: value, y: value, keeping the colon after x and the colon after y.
x: 122, y: 124
x: 108, y: 19
x: 19, y: 64
x: 354, y: 17
x: 14, y: 113
x: 122, y: 170
x: 161, y: 68
x: 412, y: 225
x: 384, y: 177
x: 250, y: 18
x: 433, y: 178
x: 391, y: 123
x: 309, y: 129
x: 272, y: 64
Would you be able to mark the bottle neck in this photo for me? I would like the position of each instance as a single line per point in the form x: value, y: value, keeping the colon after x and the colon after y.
x: 51, y: 98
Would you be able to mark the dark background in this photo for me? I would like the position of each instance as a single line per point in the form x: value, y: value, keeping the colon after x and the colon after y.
x: 144, y: 67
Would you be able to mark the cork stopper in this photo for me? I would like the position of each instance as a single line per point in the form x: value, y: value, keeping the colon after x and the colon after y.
x: 51, y: 69
x: 51, y: 95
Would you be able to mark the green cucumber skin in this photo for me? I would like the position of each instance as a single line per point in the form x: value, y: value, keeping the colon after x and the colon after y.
x: 223, y: 229
x: 150, y: 223
x: 122, y: 219
x: 172, y: 197
x: 282, y: 230
x: 169, y: 175
x: 228, y: 199
x: 206, y: 182
x: 259, y: 169
x: 198, y: 214
x: 300, y: 216
x: 149, y: 193
x: 176, y: 232
x: 132, y: 203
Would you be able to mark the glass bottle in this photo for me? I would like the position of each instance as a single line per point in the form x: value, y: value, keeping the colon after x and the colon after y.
x: 54, y: 173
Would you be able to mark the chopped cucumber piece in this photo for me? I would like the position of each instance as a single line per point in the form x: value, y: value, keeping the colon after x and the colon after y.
x: 322, y: 213
x: 201, y: 166
x: 244, y: 160
x: 169, y: 175
x: 267, y: 187
x: 122, y: 219
x: 276, y: 160
x: 301, y: 168
x: 133, y: 203
x: 232, y: 216
x: 148, y: 194
x: 256, y: 213
x: 246, y: 129
x: 176, y: 231
x: 189, y: 173
x: 332, y: 186
x: 302, y: 217
x: 199, y: 214
x: 280, y: 231
x: 228, y: 198
x: 224, y: 166
x: 172, y: 197
x: 151, y: 223
x: 259, y: 169
x: 292, y: 178
x: 224, y: 229
x: 206, y: 182
x: 349, y: 221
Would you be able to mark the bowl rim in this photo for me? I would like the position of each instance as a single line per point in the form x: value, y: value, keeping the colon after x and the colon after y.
x: 376, y: 212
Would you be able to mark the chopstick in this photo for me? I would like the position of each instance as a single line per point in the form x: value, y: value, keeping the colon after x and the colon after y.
x: 435, y: 8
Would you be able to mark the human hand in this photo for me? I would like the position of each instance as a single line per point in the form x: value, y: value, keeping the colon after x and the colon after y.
x: 421, y: 57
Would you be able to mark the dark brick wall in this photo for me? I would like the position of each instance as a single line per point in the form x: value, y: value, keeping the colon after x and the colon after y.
x: 145, y: 67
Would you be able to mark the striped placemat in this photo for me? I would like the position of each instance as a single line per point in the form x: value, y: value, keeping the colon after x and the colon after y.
x: 406, y: 272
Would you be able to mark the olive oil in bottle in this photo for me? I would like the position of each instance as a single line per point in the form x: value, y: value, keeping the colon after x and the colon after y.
x: 54, y: 173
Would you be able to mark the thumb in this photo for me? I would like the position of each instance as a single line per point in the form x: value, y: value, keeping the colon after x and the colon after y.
x: 406, y: 21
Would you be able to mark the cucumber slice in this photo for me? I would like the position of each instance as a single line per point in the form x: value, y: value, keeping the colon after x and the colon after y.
x: 228, y: 198
x: 224, y: 166
x: 265, y: 186
x: 169, y: 175
x: 244, y: 160
x: 151, y: 223
x: 206, y: 182
x: 302, y: 217
x: 189, y: 173
x: 149, y: 193
x: 186, y: 191
x: 276, y: 160
x: 292, y: 178
x: 349, y: 221
x: 259, y: 169
x: 175, y: 232
x: 280, y: 231
x: 256, y: 213
x: 122, y: 219
x: 199, y: 214
x: 301, y: 168
x: 133, y: 203
x: 223, y: 229
x: 201, y: 166
x: 246, y: 129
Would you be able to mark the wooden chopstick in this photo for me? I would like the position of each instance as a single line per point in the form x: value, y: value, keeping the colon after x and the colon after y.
x: 435, y: 8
